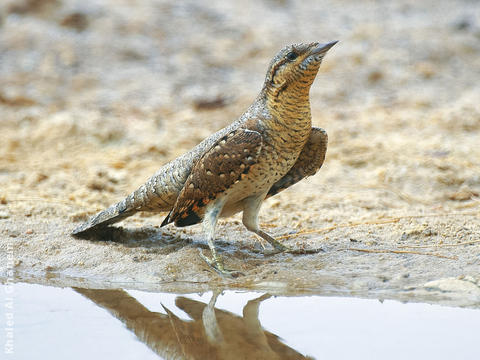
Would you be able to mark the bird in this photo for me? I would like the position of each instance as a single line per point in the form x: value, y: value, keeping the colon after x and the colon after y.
x: 209, y: 333
x: 270, y: 147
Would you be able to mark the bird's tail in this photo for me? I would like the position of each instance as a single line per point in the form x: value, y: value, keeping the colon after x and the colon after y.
x: 115, y: 213
x: 158, y: 194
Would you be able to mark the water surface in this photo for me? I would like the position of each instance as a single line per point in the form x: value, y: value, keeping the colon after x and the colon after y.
x: 75, y: 323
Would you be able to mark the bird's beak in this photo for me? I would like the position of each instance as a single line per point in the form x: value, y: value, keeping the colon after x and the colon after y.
x: 322, y: 48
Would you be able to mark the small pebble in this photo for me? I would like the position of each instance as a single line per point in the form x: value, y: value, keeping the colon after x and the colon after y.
x: 29, y: 232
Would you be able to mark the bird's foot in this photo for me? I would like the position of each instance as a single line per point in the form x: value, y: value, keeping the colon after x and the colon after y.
x: 285, y: 249
x: 216, y: 263
x: 304, y: 251
x: 280, y: 248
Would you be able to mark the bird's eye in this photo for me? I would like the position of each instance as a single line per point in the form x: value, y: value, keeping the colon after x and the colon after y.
x: 292, y: 55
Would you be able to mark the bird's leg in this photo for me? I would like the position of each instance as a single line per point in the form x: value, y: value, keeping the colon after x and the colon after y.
x: 209, y: 224
x: 210, y: 323
x: 255, y: 333
x: 250, y: 220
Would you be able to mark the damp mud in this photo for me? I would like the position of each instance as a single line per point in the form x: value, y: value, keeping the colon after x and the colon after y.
x: 95, y: 97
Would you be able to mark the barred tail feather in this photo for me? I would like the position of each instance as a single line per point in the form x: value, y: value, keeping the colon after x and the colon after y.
x: 111, y: 215
x: 136, y: 201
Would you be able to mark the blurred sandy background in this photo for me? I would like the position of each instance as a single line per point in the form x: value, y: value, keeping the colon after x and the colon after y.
x: 96, y: 95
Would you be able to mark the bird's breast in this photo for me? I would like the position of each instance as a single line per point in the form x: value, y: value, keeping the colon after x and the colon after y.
x: 278, y: 155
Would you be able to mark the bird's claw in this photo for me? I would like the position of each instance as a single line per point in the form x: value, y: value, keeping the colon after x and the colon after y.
x: 216, y: 263
x: 289, y: 250
x: 304, y: 251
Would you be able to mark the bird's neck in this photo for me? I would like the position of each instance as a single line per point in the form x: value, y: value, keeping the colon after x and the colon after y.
x: 289, y: 105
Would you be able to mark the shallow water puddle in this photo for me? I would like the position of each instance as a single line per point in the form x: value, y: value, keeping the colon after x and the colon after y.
x: 73, y: 323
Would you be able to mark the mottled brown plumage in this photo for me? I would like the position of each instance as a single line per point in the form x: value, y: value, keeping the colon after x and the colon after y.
x: 309, y: 161
x: 217, y: 170
x: 269, y: 148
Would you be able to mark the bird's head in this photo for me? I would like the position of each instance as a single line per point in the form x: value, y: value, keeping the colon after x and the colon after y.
x: 295, y: 67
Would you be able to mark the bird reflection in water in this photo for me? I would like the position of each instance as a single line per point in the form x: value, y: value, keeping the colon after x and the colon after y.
x: 211, y: 334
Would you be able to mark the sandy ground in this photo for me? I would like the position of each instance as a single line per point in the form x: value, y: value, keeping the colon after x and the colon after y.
x: 96, y: 96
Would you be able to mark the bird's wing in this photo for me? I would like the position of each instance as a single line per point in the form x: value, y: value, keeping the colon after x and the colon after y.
x: 224, y: 164
x: 308, y: 163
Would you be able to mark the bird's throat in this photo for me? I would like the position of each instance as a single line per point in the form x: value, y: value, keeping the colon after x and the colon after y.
x: 290, y: 105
